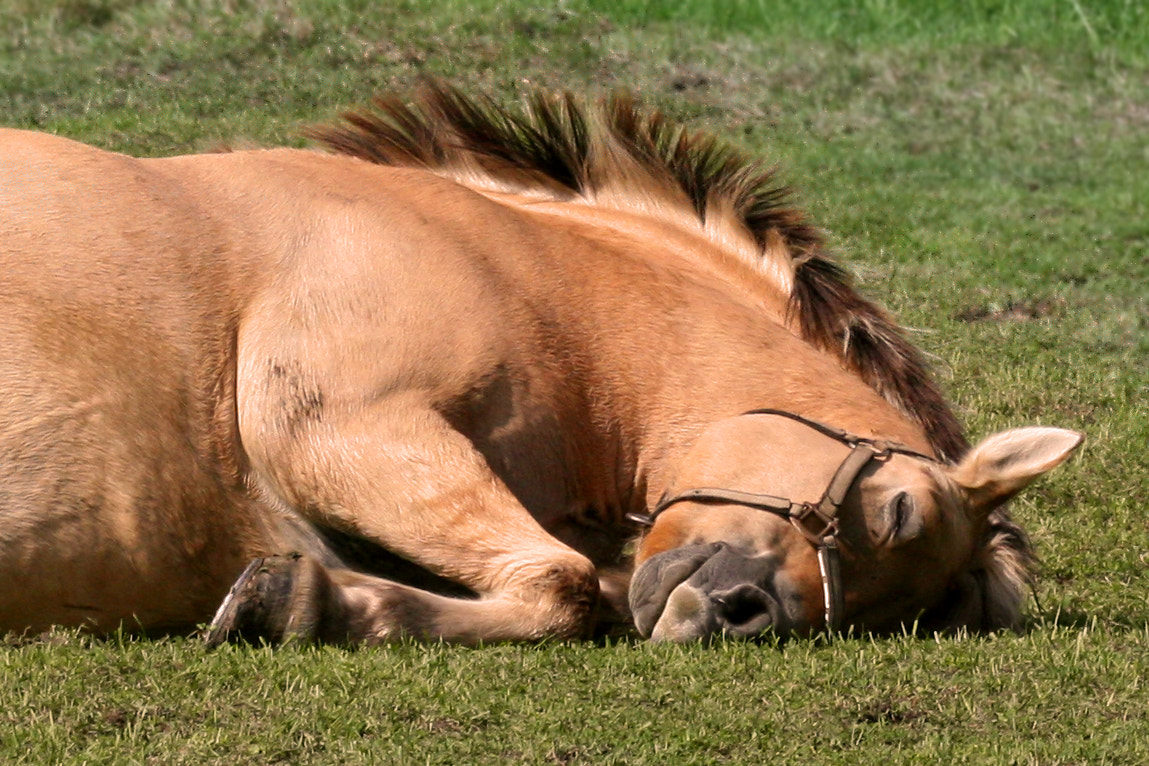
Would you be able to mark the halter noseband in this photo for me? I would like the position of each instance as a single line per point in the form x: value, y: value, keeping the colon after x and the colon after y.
x: 818, y: 522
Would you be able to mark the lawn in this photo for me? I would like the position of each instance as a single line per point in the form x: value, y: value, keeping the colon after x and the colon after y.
x: 983, y: 168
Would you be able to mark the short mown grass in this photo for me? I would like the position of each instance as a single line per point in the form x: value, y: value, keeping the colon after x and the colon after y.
x: 983, y: 168
x: 1059, y: 694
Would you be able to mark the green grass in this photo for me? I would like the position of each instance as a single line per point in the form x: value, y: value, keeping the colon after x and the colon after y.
x: 984, y: 170
x: 1058, y: 695
x: 1111, y: 27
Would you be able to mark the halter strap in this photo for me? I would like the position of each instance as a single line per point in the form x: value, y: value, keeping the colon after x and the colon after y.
x: 825, y: 511
x: 844, y: 436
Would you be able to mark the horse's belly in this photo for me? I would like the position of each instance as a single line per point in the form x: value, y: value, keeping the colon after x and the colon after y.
x: 110, y: 509
x: 86, y: 574
x: 93, y: 555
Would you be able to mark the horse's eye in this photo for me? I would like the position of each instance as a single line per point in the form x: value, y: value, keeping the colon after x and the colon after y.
x: 904, y: 522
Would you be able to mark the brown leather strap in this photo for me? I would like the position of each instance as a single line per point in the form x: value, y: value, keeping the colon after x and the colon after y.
x: 833, y: 595
x: 825, y: 511
x: 779, y: 505
x: 845, y: 476
x: 880, y: 445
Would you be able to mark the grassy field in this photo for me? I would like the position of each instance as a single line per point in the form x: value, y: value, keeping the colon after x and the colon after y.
x: 984, y: 169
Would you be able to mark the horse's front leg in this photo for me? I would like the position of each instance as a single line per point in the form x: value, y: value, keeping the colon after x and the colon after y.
x: 411, y: 484
x: 294, y: 597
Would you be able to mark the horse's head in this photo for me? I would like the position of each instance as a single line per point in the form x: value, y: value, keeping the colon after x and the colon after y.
x: 779, y: 525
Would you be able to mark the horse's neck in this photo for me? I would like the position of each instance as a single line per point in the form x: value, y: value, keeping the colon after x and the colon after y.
x: 664, y: 237
x: 691, y: 335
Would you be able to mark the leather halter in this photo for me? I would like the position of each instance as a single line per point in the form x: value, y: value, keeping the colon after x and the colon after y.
x: 818, y: 522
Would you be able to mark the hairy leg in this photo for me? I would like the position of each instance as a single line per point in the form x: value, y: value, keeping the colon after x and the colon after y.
x: 295, y: 598
x: 404, y: 479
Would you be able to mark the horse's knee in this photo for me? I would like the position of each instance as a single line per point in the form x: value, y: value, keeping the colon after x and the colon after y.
x: 564, y: 598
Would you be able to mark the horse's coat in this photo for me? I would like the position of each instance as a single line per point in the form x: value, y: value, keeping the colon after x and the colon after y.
x: 444, y: 375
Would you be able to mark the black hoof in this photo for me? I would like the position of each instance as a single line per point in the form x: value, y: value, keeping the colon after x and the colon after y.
x: 275, y: 599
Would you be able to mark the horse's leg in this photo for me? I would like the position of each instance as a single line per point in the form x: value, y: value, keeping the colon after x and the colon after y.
x: 410, y: 483
x: 294, y: 597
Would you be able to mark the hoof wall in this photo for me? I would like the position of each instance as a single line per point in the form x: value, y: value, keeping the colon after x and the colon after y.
x: 259, y: 607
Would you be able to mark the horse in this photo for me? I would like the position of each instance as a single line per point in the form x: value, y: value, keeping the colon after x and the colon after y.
x: 472, y: 373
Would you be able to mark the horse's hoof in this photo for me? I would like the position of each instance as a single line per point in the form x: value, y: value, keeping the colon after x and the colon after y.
x: 275, y: 599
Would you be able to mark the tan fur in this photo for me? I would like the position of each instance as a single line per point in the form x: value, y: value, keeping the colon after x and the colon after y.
x: 211, y: 358
x: 617, y: 156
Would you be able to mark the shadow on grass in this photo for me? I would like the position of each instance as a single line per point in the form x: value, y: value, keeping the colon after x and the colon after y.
x: 1049, y: 620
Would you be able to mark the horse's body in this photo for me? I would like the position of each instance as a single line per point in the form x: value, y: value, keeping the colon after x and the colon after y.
x: 437, y: 360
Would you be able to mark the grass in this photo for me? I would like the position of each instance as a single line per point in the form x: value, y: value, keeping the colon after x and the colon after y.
x: 1057, y: 695
x: 1113, y: 27
x: 983, y: 169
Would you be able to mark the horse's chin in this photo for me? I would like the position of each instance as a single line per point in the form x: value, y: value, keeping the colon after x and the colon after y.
x: 698, y: 592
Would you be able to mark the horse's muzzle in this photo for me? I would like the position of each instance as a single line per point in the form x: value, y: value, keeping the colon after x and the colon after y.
x: 698, y: 591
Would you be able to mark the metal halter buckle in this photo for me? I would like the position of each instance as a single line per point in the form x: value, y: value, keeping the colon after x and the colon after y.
x: 862, y: 451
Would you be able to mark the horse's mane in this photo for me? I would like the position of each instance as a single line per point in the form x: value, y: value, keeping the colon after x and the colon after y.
x: 562, y: 149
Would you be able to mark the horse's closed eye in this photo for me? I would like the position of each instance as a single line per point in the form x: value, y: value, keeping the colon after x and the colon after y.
x: 904, y: 521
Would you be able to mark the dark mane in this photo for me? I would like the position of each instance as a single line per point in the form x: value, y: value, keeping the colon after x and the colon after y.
x: 559, y: 147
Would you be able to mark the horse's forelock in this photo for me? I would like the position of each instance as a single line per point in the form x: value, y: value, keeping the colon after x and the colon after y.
x: 989, y: 594
x: 1009, y: 563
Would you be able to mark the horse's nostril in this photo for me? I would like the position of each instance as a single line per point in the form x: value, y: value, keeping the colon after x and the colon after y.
x: 743, y: 609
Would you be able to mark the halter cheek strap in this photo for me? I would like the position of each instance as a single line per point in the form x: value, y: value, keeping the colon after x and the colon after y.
x: 818, y: 522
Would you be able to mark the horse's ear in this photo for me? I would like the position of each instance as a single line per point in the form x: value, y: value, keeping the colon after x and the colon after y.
x: 1001, y: 465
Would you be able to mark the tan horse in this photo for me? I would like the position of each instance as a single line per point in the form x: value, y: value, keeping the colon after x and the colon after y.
x: 439, y: 366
